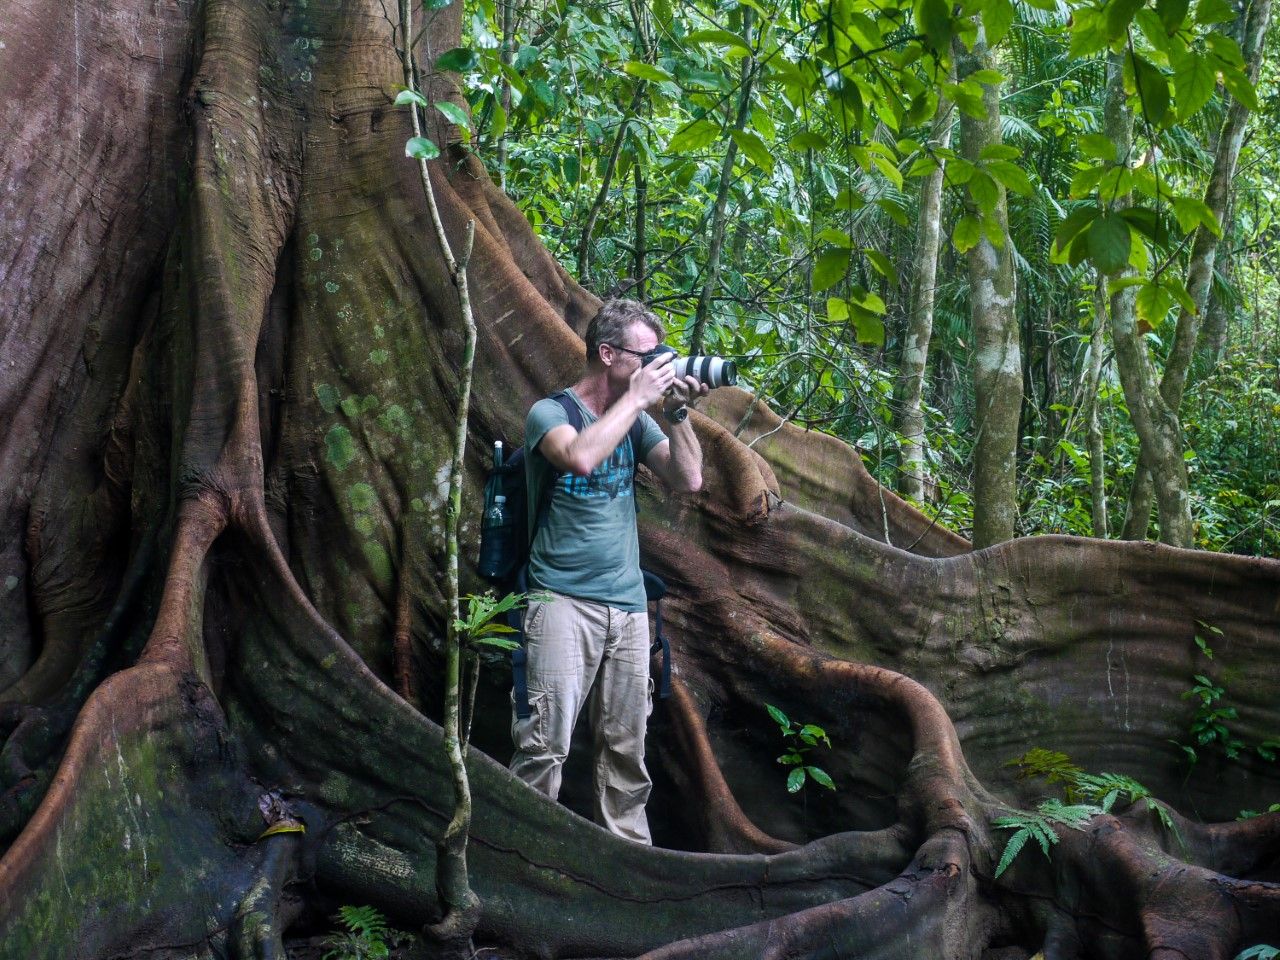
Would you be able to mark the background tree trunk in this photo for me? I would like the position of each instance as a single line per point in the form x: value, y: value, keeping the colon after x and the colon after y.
x: 1200, y: 269
x: 213, y: 493
x: 908, y: 415
x: 997, y: 361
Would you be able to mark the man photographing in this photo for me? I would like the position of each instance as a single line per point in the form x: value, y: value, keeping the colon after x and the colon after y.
x: 587, y: 641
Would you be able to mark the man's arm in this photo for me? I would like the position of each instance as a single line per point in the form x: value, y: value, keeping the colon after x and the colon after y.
x: 581, y: 452
x: 678, y: 460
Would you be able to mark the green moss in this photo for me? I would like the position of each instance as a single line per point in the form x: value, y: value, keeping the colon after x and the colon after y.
x: 328, y: 397
x: 379, y: 563
x: 340, y: 449
x: 362, y: 497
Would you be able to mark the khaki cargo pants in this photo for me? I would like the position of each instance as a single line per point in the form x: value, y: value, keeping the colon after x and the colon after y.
x: 585, y: 653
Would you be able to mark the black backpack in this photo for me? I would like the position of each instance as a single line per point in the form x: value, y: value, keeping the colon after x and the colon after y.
x: 505, y: 545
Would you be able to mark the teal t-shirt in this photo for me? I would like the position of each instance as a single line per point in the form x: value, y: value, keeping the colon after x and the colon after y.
x: 586, y: 546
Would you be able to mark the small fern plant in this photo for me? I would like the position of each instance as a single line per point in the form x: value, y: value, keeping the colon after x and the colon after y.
x: 1039, y: 826
x: 367, y: 936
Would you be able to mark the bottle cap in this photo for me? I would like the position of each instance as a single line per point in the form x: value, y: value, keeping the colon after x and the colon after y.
x: 499, y: 499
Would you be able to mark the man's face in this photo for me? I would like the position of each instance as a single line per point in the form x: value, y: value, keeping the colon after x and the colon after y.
x: 623, y: 358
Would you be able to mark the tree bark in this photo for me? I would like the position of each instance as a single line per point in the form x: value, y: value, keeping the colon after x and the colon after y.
x: 997, y: 362
x: 202, y: 746
x: 1097, y: 451
x: 1155, y: 422
x: 908, y: 415
x: 702, y: 313
x: 1200, y: 269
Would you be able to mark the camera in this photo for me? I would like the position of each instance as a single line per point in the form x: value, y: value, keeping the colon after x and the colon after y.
x: 713, y: 371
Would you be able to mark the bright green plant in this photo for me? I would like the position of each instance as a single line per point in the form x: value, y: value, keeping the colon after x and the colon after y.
x: 1097, y: 791
x: 800, y: 740
x: 367, y: 935
x: 482, y: 627
x: 1039, y: 826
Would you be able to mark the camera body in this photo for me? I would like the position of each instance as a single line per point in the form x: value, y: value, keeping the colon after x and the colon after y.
x: 713, y: 371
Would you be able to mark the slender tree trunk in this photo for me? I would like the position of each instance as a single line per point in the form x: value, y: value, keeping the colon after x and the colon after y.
x: 709, y: 288
x: 460, y: 905
x: 997, y: 365
x: 606, y: 181
x: 504, y: 96
x: 1097, y: 451
x: 908, y: 416
x: 1200, y: 270
x: 1155, y: 422
x: 640, y: 249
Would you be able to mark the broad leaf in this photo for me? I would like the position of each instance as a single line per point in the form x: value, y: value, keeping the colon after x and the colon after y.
x: 459, y: 59
x: 830, y: 269
x: 997, y: 18
x: 695, y: 136
x: 721, y: 38
x: 420, y: 148
x: 795, y: 780
x: 966, y: 234
x: 647, y: 71
x: 1193, y: 81
x: 410, y: 96
x: 751, y: 145
x: 1153, y: 90
x: 1109, y: 242
x: 455, y: 114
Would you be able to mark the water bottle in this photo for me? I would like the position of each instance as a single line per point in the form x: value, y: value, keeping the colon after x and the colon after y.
x: 496, y: 517
x: 497, y: 454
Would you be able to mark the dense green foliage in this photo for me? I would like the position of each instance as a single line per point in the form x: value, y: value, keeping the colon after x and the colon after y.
x: 783, y: 144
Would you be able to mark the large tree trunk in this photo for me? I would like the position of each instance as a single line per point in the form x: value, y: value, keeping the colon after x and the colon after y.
x: 231, y: 347
x: 997, y: 356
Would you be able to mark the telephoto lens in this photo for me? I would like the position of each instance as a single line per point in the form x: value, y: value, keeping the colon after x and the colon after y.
x: 713, y: 371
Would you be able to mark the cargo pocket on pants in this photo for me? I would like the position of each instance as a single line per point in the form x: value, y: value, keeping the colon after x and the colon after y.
x: 530, y: 734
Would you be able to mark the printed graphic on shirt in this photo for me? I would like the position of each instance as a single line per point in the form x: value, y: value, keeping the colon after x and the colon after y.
x: 611, y: 479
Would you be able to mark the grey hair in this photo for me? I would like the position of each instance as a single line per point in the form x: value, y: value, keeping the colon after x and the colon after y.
x: 614, y: 319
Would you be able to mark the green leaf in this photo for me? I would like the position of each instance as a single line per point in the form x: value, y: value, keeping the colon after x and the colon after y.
x: 829, y: 269
x: 498, y: 643
x: 821, y: 776
x: 779, y: 717
x: 411, y: 96
x: 420, y: 148
x: 1193, y: 212
x: 997, y: 18
x: 1193, y: 81
x: 720, y: 38
x: 808, y: 140
x: 795, y: 780
x: 455, y: 114
x: 1084, y: 182
x: 1153, y: 90
x: 459, y: 59
x: 647, y: 71
x: 1012, y: 176
x: 1238, y: 85
x: 882, y: 265
x: 1119, y: 14
x: 1153, y: 304
x: 1000, y: 151
x: 1109, y: 242
x: 835, y: 236
x: 869, y: 328
x: 966, y: 234
x: 1088, y: 33
x: 751, y: 145
x: 934, y: 19
x: 1098, y: 146
x: 694, y: 136
x: 1225, y: 49
x: 837, y: 310
x: 985, y: 193
x: 888, y: 169
x: 1214, y: 11
x: 1011, y: 850
x: 1172, y: 13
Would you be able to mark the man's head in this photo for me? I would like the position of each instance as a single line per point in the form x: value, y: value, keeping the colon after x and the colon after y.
x: 619, y: 331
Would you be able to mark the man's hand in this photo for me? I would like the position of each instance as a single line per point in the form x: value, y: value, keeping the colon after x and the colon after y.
x: 650, y: 383
x: 685, y: 391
